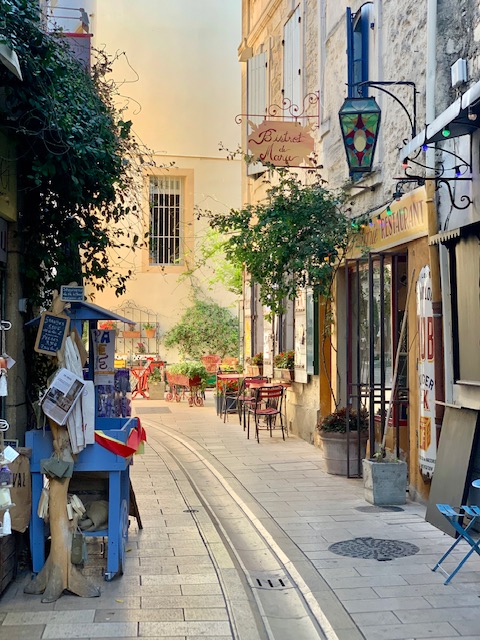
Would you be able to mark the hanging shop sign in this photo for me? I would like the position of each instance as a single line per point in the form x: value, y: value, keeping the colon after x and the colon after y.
x: 283, y: 144
x: 427, y: 437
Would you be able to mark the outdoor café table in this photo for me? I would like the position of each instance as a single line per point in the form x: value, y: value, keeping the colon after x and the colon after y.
x: 141, y: 381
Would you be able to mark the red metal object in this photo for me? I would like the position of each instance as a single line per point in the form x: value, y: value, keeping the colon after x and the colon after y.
x: 141, y: 381
x: 179, y: 385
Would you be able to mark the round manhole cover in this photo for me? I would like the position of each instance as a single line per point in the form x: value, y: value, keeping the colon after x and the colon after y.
x: 374, y: 509
x: 374, y: 549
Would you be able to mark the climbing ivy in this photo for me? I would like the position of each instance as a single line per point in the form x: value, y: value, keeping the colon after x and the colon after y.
x: 76, y: 157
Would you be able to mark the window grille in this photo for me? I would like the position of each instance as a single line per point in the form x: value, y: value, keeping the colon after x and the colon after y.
x: 166, y: 216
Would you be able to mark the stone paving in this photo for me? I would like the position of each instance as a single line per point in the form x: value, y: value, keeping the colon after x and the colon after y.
x: 218, y: 512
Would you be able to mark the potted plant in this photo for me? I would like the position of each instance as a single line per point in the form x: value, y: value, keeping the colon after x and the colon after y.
x: 107, y: 325
x: 141, y: 348
x: 255, y: 365
x: 131, y: 332
x: 335, y: 442
x: 284, y: 365
x: 156, y: 385
x: 384, y: 479
x: 149, y: 329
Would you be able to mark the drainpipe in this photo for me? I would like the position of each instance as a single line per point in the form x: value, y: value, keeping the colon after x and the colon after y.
x: 437, y: 256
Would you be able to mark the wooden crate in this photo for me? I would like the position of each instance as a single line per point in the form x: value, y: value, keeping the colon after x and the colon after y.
x: 8, y: 561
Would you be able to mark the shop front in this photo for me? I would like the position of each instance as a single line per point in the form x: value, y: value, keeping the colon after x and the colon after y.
x: 378, y: 295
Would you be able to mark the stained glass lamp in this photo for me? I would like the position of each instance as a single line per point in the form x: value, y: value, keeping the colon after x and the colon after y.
x: 360, y: 123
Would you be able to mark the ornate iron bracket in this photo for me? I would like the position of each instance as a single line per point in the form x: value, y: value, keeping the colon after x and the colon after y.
x: 380, y: 86
x: 290, y: 111
x: 439, y: 180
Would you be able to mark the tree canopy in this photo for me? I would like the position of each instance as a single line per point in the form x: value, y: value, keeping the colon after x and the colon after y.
x: 205, y: 328
x: 76, y: 158
x: 291, y: 240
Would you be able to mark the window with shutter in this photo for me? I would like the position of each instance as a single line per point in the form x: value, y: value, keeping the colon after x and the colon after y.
x: 256, y: 98
x: 292, y: 60
x: 358, y: 34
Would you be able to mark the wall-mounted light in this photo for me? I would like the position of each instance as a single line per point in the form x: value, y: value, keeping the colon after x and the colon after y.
x: 359, y: 123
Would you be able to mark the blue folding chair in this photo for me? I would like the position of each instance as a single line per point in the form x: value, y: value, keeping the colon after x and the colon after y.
x: 455, y: 518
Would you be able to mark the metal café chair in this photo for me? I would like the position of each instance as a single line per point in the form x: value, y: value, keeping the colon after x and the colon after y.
x: 267, y: 406
x: 456, y: 518
x: 245, y: 395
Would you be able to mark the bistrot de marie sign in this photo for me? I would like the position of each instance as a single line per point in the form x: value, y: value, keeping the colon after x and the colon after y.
x: 283, y: 144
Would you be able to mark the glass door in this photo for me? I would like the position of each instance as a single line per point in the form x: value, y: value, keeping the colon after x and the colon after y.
x: 376, y: 299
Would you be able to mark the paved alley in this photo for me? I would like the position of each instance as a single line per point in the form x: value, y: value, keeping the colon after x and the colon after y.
x: 236, y: 544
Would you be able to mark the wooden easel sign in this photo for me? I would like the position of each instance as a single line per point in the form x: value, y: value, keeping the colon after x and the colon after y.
x: 52, y: 331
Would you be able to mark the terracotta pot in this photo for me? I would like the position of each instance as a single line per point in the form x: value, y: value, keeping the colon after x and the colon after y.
x: 149, y: 333
x: 131, y: 334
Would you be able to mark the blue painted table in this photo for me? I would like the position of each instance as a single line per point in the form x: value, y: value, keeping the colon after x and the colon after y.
x: 93, y: 458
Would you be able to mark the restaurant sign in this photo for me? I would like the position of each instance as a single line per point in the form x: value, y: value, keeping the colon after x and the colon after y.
x: 283, y: 144
x: 404, y: 221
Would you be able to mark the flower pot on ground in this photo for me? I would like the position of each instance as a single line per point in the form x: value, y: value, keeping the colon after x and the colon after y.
x: 385, y: 481
x: 335, y: 442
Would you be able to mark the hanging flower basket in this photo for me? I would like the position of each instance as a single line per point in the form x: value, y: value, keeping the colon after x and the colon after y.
x: 131, y: 334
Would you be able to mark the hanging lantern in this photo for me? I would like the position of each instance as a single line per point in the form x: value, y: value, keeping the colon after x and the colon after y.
x: 360, y: 123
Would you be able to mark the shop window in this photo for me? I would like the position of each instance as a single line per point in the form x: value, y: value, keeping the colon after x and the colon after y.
x: 358, y: 36
x: 166, y: 216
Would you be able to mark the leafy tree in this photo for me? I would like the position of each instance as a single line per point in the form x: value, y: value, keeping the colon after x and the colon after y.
x: 76, y: 158
x: 205, y: 328
x: 293, y: 239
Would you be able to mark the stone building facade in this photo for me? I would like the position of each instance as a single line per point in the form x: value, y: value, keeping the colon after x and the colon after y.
x: 411, y: 44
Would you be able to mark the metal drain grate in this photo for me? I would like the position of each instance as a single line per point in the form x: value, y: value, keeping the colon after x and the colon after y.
x: 190, y: 511
x: 375, y: 509
x: 152, y: 410
x: 270, y: 581
x: 374, y: 549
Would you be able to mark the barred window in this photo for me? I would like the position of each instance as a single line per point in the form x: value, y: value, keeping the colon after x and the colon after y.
x: 166, y: 216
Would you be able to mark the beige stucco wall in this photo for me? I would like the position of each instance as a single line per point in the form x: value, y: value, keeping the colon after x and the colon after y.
x: 211, y: 183
x: 179, y: 82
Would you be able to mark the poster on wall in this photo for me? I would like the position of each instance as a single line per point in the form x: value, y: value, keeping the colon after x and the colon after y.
x: 301, y: 336
x: 104, y: 354
x: 427, y: 436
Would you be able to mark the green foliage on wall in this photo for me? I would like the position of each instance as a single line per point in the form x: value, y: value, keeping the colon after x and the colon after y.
x: 75, y: 158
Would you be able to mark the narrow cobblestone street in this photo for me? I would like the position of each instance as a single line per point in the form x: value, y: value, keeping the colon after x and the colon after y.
x: 236, y: 543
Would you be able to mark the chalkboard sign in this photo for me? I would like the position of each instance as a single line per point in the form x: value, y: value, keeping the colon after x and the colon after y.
x: 51, y: 334
x: 72, y: 294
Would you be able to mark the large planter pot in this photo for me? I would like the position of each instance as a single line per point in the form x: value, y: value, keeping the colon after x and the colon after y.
x: 334, y: 446
x: 385, y: 483
x: 284, y: 374
x: 156, y: 390
x: 150, y: 333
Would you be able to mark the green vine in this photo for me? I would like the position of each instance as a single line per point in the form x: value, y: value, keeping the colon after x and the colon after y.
x: 293, y: 239
x: 76, y: 159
